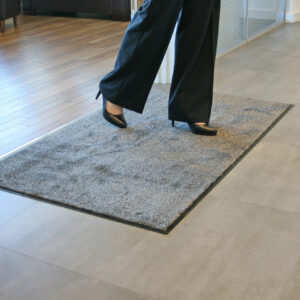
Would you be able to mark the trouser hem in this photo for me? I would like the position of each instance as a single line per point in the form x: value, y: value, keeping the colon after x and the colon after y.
x: 179, y: 119
x: 125, y: 105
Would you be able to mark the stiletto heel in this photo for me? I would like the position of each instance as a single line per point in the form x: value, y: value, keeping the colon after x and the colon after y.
x: 173, y: 123
x: 118, y: 120
x: 98, y: 94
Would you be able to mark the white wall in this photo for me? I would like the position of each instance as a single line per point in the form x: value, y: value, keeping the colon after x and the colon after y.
x: 292, y: 11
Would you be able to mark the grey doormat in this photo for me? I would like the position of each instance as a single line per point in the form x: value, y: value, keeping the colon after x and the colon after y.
x: 149, y: 174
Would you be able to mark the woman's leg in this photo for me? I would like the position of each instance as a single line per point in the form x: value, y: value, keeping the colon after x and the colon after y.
x: 141, y: 52
x: 191, y: 89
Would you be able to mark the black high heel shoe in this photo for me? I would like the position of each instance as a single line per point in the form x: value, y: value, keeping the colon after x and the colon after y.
x: 118, y: 120
x: 203, y: 129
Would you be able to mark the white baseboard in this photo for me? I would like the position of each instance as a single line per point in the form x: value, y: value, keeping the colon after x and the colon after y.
x: 292, y: 17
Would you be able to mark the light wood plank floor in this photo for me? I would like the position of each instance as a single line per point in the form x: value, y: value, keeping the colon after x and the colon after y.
x: 241, y: 242
x: 50, y: 70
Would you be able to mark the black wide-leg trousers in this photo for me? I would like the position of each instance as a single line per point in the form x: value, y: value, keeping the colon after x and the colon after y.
x: 142, y: 50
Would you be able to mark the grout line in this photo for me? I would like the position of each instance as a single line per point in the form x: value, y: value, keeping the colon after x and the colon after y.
x: 19, y: 213
x: 74, y: 272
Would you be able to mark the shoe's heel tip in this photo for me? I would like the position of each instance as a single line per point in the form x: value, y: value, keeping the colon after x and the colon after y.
x: 98, y: 94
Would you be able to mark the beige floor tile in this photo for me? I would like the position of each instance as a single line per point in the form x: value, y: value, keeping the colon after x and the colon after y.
x: 263, y: 68
x: 71, y: 239
x: 287, y: 34
x: 269, y: 176
x: 11, y: 205
x: 287, y: 130
x: 223, y: 250
x: 283, y: 39
x: 23, y: 278
x: 255, y: 59
x: 262, y: 85
x: 292, y: 289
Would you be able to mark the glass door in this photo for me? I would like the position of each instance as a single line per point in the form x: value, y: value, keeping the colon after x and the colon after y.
x: 264, y: 13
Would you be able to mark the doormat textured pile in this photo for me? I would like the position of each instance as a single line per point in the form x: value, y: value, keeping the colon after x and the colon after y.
x: 149, y: 174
